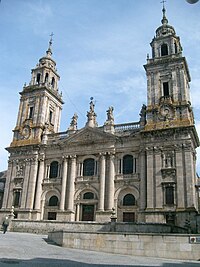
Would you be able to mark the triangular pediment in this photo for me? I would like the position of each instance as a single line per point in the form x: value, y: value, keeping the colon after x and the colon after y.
x: 88, y: 135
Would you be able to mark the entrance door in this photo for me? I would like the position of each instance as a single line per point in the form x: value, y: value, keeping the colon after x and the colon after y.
x: 128, y: 217
x: 87, y: 212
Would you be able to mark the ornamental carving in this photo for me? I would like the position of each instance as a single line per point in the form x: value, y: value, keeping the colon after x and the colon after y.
x: 18, y: 182
x: 169, y: 173
x: 20, y: 169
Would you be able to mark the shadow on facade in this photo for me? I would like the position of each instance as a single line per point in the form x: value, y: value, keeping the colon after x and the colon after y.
x: 43, y: 262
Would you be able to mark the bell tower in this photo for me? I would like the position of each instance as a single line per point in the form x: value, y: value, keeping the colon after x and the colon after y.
x: 168, y: 77
x: 170, y: 138
x: 40, y: 103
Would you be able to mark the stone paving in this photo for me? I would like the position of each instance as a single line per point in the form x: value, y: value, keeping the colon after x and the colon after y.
x: 23, y: 249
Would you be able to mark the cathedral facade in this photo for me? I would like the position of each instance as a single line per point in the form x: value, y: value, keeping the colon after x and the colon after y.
x: 140, y: 171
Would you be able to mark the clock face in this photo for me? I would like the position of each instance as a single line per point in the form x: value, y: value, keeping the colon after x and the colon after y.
x: 26, y: 132
x: 166, y: 111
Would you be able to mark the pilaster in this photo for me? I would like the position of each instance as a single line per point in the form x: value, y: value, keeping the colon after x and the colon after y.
x: 150, y: 178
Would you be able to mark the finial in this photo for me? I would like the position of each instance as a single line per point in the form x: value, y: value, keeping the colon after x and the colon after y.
x: 49, y: 52
x: 51, y: 40
x: 164, y: 19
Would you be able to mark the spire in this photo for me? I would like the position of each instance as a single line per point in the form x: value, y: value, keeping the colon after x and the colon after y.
x: 164, y: 19
x: 49, y: 52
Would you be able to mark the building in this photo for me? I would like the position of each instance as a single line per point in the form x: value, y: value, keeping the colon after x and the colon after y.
x: 144, y: 171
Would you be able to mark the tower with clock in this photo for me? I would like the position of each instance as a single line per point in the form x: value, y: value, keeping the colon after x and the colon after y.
x: 40, y: 103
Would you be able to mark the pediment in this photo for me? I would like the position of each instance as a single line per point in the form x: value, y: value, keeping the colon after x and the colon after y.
x: 89, y: 135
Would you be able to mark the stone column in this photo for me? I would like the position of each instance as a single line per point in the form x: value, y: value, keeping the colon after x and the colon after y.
x: 64, y: 183
x: 39, y: 182
x: 71, y: 186
x: 111, y: 185
x: 32, y: 182
x: 102, y: 182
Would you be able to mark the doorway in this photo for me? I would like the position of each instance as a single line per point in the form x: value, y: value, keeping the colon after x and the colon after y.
x: 128, y: 217
x: 87, y: 212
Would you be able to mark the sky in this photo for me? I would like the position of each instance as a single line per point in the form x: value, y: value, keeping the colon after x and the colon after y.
x: 100, y: 47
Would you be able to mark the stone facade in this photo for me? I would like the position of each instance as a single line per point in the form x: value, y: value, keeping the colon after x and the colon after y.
x: 142, y: 171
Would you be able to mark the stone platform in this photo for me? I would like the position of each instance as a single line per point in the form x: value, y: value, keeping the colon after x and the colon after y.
x: 173, y: 246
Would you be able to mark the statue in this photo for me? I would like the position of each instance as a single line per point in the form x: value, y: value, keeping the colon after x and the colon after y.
x: 73, y: 124
x: 143, y: 115
x: 110, y: 116
x: 91, y: 105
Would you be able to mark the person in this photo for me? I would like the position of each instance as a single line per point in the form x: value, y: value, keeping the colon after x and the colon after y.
x: 5, y: 224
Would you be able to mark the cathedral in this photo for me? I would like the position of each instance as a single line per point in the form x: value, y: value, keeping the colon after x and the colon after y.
x: 142, y: 172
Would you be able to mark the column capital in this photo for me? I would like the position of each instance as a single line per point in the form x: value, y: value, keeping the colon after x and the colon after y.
x: 111, y: 153
x: 102, y: 154
x: 41, y: 157
x: 65, y: 157
x: 72, y: 157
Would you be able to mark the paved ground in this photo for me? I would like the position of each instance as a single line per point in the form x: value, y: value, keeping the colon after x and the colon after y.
x: 22, y: 249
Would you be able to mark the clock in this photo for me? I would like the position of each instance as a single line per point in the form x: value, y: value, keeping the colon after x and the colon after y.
x: 26, y: 131
x: 166, y: 111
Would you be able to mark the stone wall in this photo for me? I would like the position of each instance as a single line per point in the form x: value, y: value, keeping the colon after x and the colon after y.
x: 43, y: 227
x: 153, y: 245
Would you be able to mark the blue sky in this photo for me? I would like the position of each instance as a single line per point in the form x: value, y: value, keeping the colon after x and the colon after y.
x: 100, y: 47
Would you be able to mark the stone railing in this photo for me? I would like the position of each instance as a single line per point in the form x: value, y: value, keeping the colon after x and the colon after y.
x: 127, y: 126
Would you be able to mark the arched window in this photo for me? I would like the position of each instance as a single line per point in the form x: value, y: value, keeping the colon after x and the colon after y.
x: 53, y: 201
x: 53, y: 82
x: 46, y: 77
x: 88, y: 167
x: 129, y: 200
x: 128, y: 164
x: 38, y: 78
x: 53, y: 169
x: 88, y: 195
x: 164, y: 50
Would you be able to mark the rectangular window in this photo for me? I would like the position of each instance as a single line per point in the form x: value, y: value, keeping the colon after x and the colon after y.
x: 30, y: 116
x: 169, y: 195
x: 51, y: 215
x: 16, y: 199
x: 166, y: 89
